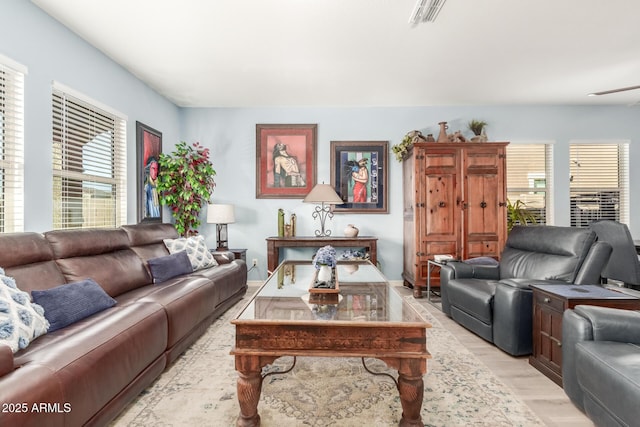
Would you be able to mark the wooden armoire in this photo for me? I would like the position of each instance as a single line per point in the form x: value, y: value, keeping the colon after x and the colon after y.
x: 454, y: 204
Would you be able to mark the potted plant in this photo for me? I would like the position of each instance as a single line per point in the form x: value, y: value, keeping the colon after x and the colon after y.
x: 477, y: 127
x: 185, y: 184
x: 518, y: 214
x: 401, y: 150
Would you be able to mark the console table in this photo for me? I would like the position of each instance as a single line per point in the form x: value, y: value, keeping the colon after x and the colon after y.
x: 275, y: 243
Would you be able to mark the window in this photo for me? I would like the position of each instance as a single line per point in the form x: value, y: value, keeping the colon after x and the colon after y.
x: 599, y: 187
x: 530, y: 178
x: 11, y: 146
x: 89, y: 188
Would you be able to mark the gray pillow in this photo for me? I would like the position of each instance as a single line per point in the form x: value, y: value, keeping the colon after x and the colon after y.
x: 67, y: 304
x: 166, y: 267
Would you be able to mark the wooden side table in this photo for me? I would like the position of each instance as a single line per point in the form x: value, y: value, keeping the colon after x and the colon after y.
x: 275, y: 243
x: 549, y: 304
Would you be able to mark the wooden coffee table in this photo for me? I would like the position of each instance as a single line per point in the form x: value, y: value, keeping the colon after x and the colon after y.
x: 370, y: 319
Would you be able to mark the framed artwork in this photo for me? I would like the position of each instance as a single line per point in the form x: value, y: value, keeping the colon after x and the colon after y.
x: 149, y: 147
x: 285, y: 160
x: 359, y: 175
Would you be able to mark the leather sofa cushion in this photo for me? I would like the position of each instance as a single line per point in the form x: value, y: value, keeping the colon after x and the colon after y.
x: 108, y: 349
x: 474, y: 297
x: 28, y: 258
x: 548, y: 253
x: 220, y: 276
x: 187, y: 301
x: 609, y: 373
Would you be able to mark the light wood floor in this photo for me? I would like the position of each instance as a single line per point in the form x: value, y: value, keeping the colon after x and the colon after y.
x: 541, y: 394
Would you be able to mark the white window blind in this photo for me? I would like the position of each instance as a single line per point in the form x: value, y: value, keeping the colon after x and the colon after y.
x: 89, y: 188
x: 11, y: 148
x: 530, y: 178
x: 599, y: 186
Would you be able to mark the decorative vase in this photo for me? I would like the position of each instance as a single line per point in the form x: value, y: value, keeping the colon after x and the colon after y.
x: 324, y: 274
x: 442, y: 136
x: 351, y: 231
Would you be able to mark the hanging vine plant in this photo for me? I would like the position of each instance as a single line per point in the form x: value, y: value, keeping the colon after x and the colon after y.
x: 185, y: 184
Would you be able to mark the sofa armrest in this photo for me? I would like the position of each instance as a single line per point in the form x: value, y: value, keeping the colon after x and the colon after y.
x: 6, y: 359
x: 575, y: 328
x: 513, y: 317
x: 589, y: 323
x: 461, y: 270
x: 223, y: 257
x: 612, y: 324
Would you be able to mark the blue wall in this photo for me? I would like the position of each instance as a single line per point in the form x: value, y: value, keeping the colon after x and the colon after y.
x: 230, y: 133
x: 51, y: 52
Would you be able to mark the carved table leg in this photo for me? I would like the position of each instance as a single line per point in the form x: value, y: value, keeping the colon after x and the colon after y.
x: 411, y: 392
x: 249, y: 387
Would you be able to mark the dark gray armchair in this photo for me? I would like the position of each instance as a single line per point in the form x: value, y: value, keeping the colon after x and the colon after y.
x: 495, y: 302
x: 601, y: 363
x: 623, y: 265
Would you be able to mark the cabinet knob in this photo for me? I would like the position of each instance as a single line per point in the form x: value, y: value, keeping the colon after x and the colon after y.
x: 547, y: 299
x: 442, y: 204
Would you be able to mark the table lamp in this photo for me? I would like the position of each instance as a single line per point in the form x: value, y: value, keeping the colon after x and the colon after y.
x: 326, y: 196
x: 221, y: 215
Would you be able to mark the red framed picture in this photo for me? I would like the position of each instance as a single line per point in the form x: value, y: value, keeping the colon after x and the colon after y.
x: 285, y: 160
x: 149, y: 147
x: 359, y: 176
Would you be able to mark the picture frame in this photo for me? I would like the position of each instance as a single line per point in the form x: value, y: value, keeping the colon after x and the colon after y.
x: 149, y: 147
x: 285, y: 160
x: 359, y: 174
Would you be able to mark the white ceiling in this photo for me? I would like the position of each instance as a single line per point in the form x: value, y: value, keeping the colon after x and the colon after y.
x: 242, y: 53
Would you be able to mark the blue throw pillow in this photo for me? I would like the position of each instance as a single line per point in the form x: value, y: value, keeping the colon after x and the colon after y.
x: 166, y: 267
x: 67, y: 304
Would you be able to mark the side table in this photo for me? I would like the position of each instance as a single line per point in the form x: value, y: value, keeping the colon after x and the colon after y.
x: 417, y: 292
x: 549, y: 304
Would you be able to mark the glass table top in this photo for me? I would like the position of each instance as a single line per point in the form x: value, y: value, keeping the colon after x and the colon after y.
x: 364, y: 296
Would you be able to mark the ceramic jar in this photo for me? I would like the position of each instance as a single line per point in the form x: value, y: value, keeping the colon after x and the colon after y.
x: 442, y: 136
x: 351, y: 231
x: 324, y: 274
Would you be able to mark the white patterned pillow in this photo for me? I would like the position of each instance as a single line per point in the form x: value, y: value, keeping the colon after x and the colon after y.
x: 21, y: 321
x: 196, y: 249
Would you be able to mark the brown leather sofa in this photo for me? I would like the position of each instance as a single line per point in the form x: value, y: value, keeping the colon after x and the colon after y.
x: 87, y: 372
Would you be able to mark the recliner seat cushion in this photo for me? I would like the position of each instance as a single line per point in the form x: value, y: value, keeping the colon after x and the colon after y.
x: 474, y: 297
x: 609, y: 374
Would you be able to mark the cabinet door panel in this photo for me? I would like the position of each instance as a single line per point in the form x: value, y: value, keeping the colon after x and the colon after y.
x: 440, y: 205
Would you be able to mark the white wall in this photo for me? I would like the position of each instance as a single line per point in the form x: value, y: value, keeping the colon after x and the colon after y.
x: 230, y: 133
x: 51, y: 52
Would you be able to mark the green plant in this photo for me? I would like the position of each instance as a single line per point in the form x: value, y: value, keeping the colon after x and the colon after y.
x: 185, y: 184
x: 476, y: 126
x: 401, y: 150
x: 518, y: 214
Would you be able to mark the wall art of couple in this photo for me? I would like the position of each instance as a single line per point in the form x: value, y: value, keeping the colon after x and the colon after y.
x: 149, y: 144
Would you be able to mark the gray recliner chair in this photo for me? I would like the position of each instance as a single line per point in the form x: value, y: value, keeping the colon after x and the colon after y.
x: 496, y: 303
x: 623, y: 265
x: 601, y: 363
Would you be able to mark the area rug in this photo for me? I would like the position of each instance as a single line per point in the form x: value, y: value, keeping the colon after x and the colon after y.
x: 199, y: 389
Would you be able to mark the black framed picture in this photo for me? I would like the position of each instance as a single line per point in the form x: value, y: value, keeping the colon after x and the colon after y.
x: 149, y: 147
x: 359, y: 175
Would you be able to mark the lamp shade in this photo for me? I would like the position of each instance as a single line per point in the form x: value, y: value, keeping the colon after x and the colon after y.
x: 220, y: 214
x: 323, y: 193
